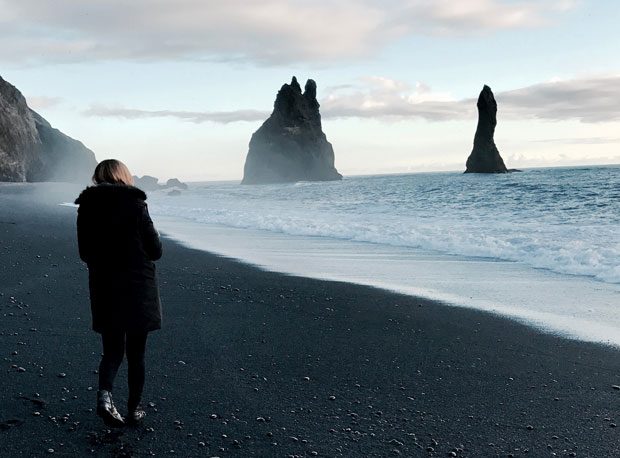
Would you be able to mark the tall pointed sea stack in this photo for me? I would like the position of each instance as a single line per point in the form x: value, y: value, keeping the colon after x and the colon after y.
x: 32, y: 150
x: 485, y: 157
x: 290, y: 145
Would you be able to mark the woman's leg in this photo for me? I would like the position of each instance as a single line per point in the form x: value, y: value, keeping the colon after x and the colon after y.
x: 113, y: 350
x: 136, y: 346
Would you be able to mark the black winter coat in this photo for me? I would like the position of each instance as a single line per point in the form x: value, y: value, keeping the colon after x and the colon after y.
x: 117, y: 240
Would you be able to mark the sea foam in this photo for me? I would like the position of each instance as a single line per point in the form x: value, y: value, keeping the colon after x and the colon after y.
x: 563, y: 220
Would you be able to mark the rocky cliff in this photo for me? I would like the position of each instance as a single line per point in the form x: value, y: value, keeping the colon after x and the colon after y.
x: 290, y: 145
x: 485, y: 157
x: 32, y: 150
x: 61, y: 158
x: 19, y: 139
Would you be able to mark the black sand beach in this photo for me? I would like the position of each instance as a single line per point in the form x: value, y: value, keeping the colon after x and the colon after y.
x: 253, y: 363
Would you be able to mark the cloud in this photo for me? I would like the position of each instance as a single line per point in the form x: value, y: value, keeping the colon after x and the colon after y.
x: 589, y: 100
x: 592, y: 100
x: 581, y: 140
x: 384, y: 98
x: 41, y: 102
x: 221, y: 117
x: 261, y: 31
x: 449, y: 17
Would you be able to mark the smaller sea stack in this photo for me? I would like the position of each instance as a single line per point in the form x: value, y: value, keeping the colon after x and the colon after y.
x: 291, y: 146
x: 485, y: 157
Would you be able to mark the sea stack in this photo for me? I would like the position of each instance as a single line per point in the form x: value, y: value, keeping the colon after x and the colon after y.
x: 150, y: 183
x: 32, y: 150
x: 485, y: 157
x: 290, y: 145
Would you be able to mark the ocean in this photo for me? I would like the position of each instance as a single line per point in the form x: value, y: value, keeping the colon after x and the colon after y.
x: 541, y: 246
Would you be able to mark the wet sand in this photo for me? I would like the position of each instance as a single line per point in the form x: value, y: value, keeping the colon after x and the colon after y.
x: 254, y: 363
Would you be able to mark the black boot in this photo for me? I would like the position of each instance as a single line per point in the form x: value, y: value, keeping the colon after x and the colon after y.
x: 107, y: 411
x: 135, y: 415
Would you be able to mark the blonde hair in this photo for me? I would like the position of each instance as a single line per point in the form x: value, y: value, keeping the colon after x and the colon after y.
x: 112, y: 171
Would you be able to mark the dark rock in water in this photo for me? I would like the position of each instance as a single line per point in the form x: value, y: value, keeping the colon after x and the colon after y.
x: 485, y: 157
x: 291, y: 146
x: 149, y: 183
x: 146, y: 183
x: 32, y: 150
x: 175, y: 183
x: 174, y: 192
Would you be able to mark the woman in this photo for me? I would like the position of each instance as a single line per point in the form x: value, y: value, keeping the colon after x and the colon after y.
x: 117, y: 240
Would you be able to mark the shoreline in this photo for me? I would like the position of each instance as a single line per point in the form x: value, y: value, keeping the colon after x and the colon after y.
x: 558, y: 296
x: 257, y: 363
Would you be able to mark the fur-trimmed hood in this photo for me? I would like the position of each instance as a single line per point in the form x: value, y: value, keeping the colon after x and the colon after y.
x: 105, y: 191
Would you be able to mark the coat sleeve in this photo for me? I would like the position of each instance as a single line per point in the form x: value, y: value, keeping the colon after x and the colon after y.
x: 83, y: 237
x: 150, y: 236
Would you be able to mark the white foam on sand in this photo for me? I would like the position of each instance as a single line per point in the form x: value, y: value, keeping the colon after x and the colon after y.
x: 571, y: 306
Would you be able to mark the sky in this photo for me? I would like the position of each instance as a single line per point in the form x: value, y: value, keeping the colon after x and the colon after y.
x: 175, y: 88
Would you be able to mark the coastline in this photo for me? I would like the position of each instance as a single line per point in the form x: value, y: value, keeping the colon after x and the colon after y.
x: 249, y: 358
x: 548, y: 301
